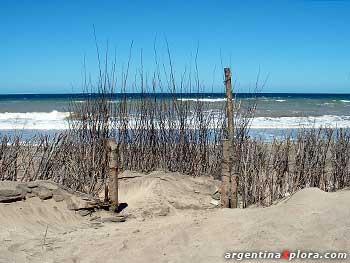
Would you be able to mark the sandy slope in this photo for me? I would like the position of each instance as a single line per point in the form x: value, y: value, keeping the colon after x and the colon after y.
x: 171, y: 220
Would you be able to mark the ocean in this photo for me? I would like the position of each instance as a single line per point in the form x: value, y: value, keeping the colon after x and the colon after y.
x: 277, y: 114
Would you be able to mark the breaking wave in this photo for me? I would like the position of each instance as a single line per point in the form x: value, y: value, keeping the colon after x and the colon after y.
x: 53, y: 120
x: 330, y: 121
x: 56, y: 120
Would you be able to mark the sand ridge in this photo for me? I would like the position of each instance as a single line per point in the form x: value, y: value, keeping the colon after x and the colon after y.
x: 189, y: 229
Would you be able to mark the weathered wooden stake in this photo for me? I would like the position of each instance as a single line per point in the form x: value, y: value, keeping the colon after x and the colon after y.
x: 229, y: 187
x: 225, y: 178
x: 106, y: 200
x: 112, y: 174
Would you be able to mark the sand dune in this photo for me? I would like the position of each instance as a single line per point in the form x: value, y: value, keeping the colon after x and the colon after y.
x: 170, y: 219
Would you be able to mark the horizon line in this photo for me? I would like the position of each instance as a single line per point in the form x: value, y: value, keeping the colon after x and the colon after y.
x: 169, y: 93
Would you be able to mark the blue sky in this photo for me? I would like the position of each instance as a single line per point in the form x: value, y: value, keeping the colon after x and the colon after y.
x: 302, y: 46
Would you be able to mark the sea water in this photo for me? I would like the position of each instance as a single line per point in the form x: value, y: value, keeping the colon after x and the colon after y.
x: 277, y: 114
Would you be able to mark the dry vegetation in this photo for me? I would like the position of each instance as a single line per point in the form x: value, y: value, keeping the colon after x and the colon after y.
x: 169, y: 135
x: 174, y: 135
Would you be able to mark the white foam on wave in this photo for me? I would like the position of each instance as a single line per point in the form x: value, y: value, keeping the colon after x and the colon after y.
x: 213, y: 121
x: 346, y: 101
x: 57, y: 121
x: 53, y: 120
x: 203, y: 99
x: 280, y: 100
x: 331, y: 121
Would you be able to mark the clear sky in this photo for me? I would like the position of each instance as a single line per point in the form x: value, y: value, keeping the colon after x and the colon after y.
x: 302, y: 46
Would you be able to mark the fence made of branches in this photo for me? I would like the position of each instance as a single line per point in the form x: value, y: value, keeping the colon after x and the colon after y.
x: 178, y: 136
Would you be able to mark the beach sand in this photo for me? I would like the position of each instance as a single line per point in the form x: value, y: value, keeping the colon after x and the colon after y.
x: 172, y: 218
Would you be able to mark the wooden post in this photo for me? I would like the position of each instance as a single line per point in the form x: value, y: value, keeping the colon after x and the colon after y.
x: 234, y: 188
x: 112, y: 174
x: 226, y: 174
x: 229, y: 105
x: 106, y: 200
x: 230, y: 185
